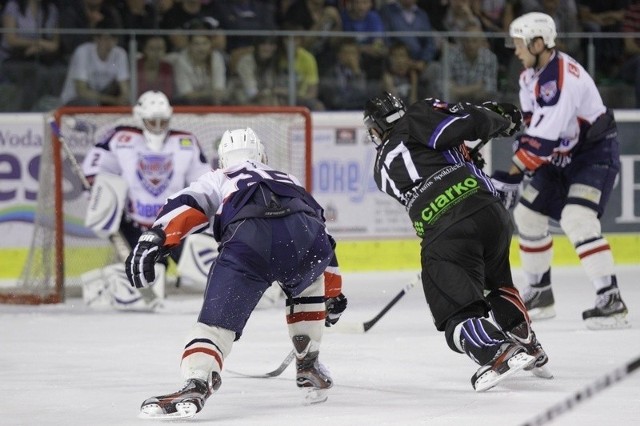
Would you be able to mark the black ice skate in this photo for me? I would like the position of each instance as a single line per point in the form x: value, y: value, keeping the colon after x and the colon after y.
x: 311, y: 376
x: 610, y: 311
x: 524, y: 335
x: 182, y: 404
x: 538, y: 298
x: 510, y: 358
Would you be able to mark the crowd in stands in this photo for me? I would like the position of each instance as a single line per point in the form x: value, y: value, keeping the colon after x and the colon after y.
x: 42, y: 68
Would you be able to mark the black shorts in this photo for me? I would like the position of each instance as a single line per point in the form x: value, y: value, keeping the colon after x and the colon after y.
x: 466, y: 259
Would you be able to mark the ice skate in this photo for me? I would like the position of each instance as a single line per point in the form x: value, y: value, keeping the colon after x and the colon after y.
x: 610, y: 311
x: 182, y: 404
x: 312, y: 377
x: 539, y: 301
x: 510, y: 358
x: 524, y: 335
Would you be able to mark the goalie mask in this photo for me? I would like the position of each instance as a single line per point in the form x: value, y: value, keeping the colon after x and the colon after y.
x: 237, y: 146
x: 154, y: 113
x: 380, y: 114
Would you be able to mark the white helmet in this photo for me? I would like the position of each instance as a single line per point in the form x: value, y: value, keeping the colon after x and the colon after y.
x: 154, y: 113
x: 532, y: 25
x: 237, y: 146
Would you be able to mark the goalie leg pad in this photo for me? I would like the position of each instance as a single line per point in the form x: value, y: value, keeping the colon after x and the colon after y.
x: 106, y: 204
x: 198, y: 253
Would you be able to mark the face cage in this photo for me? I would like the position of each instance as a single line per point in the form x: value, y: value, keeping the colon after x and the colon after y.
x: 156, y: 125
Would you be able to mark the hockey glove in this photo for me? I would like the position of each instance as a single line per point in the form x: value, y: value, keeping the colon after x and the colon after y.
x: 140, y: 264
x: 335, y: 308
x: 508, y: 111
x: 508, y: 187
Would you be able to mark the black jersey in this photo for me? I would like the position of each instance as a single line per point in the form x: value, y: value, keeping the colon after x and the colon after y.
x: 424, y: 164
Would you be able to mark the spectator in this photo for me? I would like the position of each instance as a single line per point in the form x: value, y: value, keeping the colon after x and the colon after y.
x: 405, y: 15
x: 84, y: 15
x: 200, y: 69
x: 178, y: 17
x: 436, y: 10
x: 247, y: 15
x: 30, y: 58
x: 345, y: 85
x: 474, y: 69
x: 154, y: 72
x: 256, y: 74
x: 400, y: 78
x: 459, y: 16
x: 630, y: 70
x: 137, y: 15
x: 98, y: 73
x: 316, y: 15
x: 306, y: 74
x: 360, y: 17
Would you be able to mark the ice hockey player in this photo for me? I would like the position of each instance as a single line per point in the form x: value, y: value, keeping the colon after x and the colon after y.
x: 422, y: 161
x: 269, y: 229
x: 570, y: 148
x: 133, y: 169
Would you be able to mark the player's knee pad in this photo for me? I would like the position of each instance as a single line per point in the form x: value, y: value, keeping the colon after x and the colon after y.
x: 206, y: 348
x: 453, y: 327
x: 530, y: 223
x: 580, y: 223
x: 305, y: 312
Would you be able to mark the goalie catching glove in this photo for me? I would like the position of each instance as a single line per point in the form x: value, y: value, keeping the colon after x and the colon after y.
x: 335, y: 307
x: 140, y: 264
x: 508, y: 187
x: 508, y: 111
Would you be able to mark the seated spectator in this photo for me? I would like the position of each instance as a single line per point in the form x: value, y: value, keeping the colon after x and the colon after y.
x: 179, y: 16
x: 256, y: 74
x: 473, y: 69
x: 459, y: 16
x: 344, y: 87
x: 98, y: 73
x: 30, y: 57
x: 247, y: 15
x: 305, y: 73
x: 137, y: 15
x: 400, y: 77
x: 201, y: 70
x: 84, y: 14
x: 154, y: 73
x: 316, y: 15
x: 359, y: 16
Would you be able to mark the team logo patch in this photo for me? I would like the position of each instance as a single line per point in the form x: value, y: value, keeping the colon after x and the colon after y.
x: 549, y: 90
x: 155, y: 172
x: 186, y: 143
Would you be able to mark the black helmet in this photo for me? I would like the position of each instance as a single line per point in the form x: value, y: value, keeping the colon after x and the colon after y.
x: 381, y: 112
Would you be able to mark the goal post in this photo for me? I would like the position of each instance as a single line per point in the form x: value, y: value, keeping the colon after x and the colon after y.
x: 62, y: 249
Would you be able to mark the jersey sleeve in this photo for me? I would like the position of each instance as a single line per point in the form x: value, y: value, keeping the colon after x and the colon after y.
x: 101, y: 158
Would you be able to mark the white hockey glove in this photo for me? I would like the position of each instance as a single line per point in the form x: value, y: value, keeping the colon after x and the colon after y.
x: 508, y: 111
x: 142, y: 259
x: 508, y: 187
x: 335, y: 307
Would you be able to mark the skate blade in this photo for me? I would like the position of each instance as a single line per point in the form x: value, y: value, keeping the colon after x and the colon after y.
x: 612, y: 322
x: 314, y: 396
x: 490, y: 378
x: 547, y: 312
x: 184, y: 410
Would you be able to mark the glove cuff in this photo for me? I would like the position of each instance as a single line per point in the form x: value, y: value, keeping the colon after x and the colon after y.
x: 155, y: 236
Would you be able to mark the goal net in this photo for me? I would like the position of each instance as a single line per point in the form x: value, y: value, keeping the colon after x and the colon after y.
x: 62, y: 249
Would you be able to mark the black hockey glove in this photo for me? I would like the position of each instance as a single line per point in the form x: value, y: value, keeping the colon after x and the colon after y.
x: 508, y: 187
x: 335, y: 307
x: 508, y: 111
x: 142, y: 259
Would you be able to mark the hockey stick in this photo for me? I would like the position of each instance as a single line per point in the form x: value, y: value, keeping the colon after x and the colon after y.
x: 367, y: 325
x: 585, y: 393
x: 283, y: 366
x: 117, y: 240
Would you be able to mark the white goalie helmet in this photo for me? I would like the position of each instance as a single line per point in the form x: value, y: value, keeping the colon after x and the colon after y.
x: 237, y: 146
x: 532, y: 25
x: 154, y: 112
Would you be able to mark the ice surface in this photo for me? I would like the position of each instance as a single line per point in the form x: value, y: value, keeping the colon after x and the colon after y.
x: 66, y: 365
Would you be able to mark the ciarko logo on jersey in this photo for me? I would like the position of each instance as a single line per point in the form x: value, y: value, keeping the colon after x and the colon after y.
x: 443, y: 202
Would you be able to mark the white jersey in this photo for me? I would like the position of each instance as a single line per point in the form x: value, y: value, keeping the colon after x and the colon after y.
x: 152, y: 176
x: 208, y: 195
x: 559, y: 98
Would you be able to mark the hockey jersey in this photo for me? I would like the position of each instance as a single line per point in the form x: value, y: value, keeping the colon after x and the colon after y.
x: 561, y: 102
x: 151, y: 176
